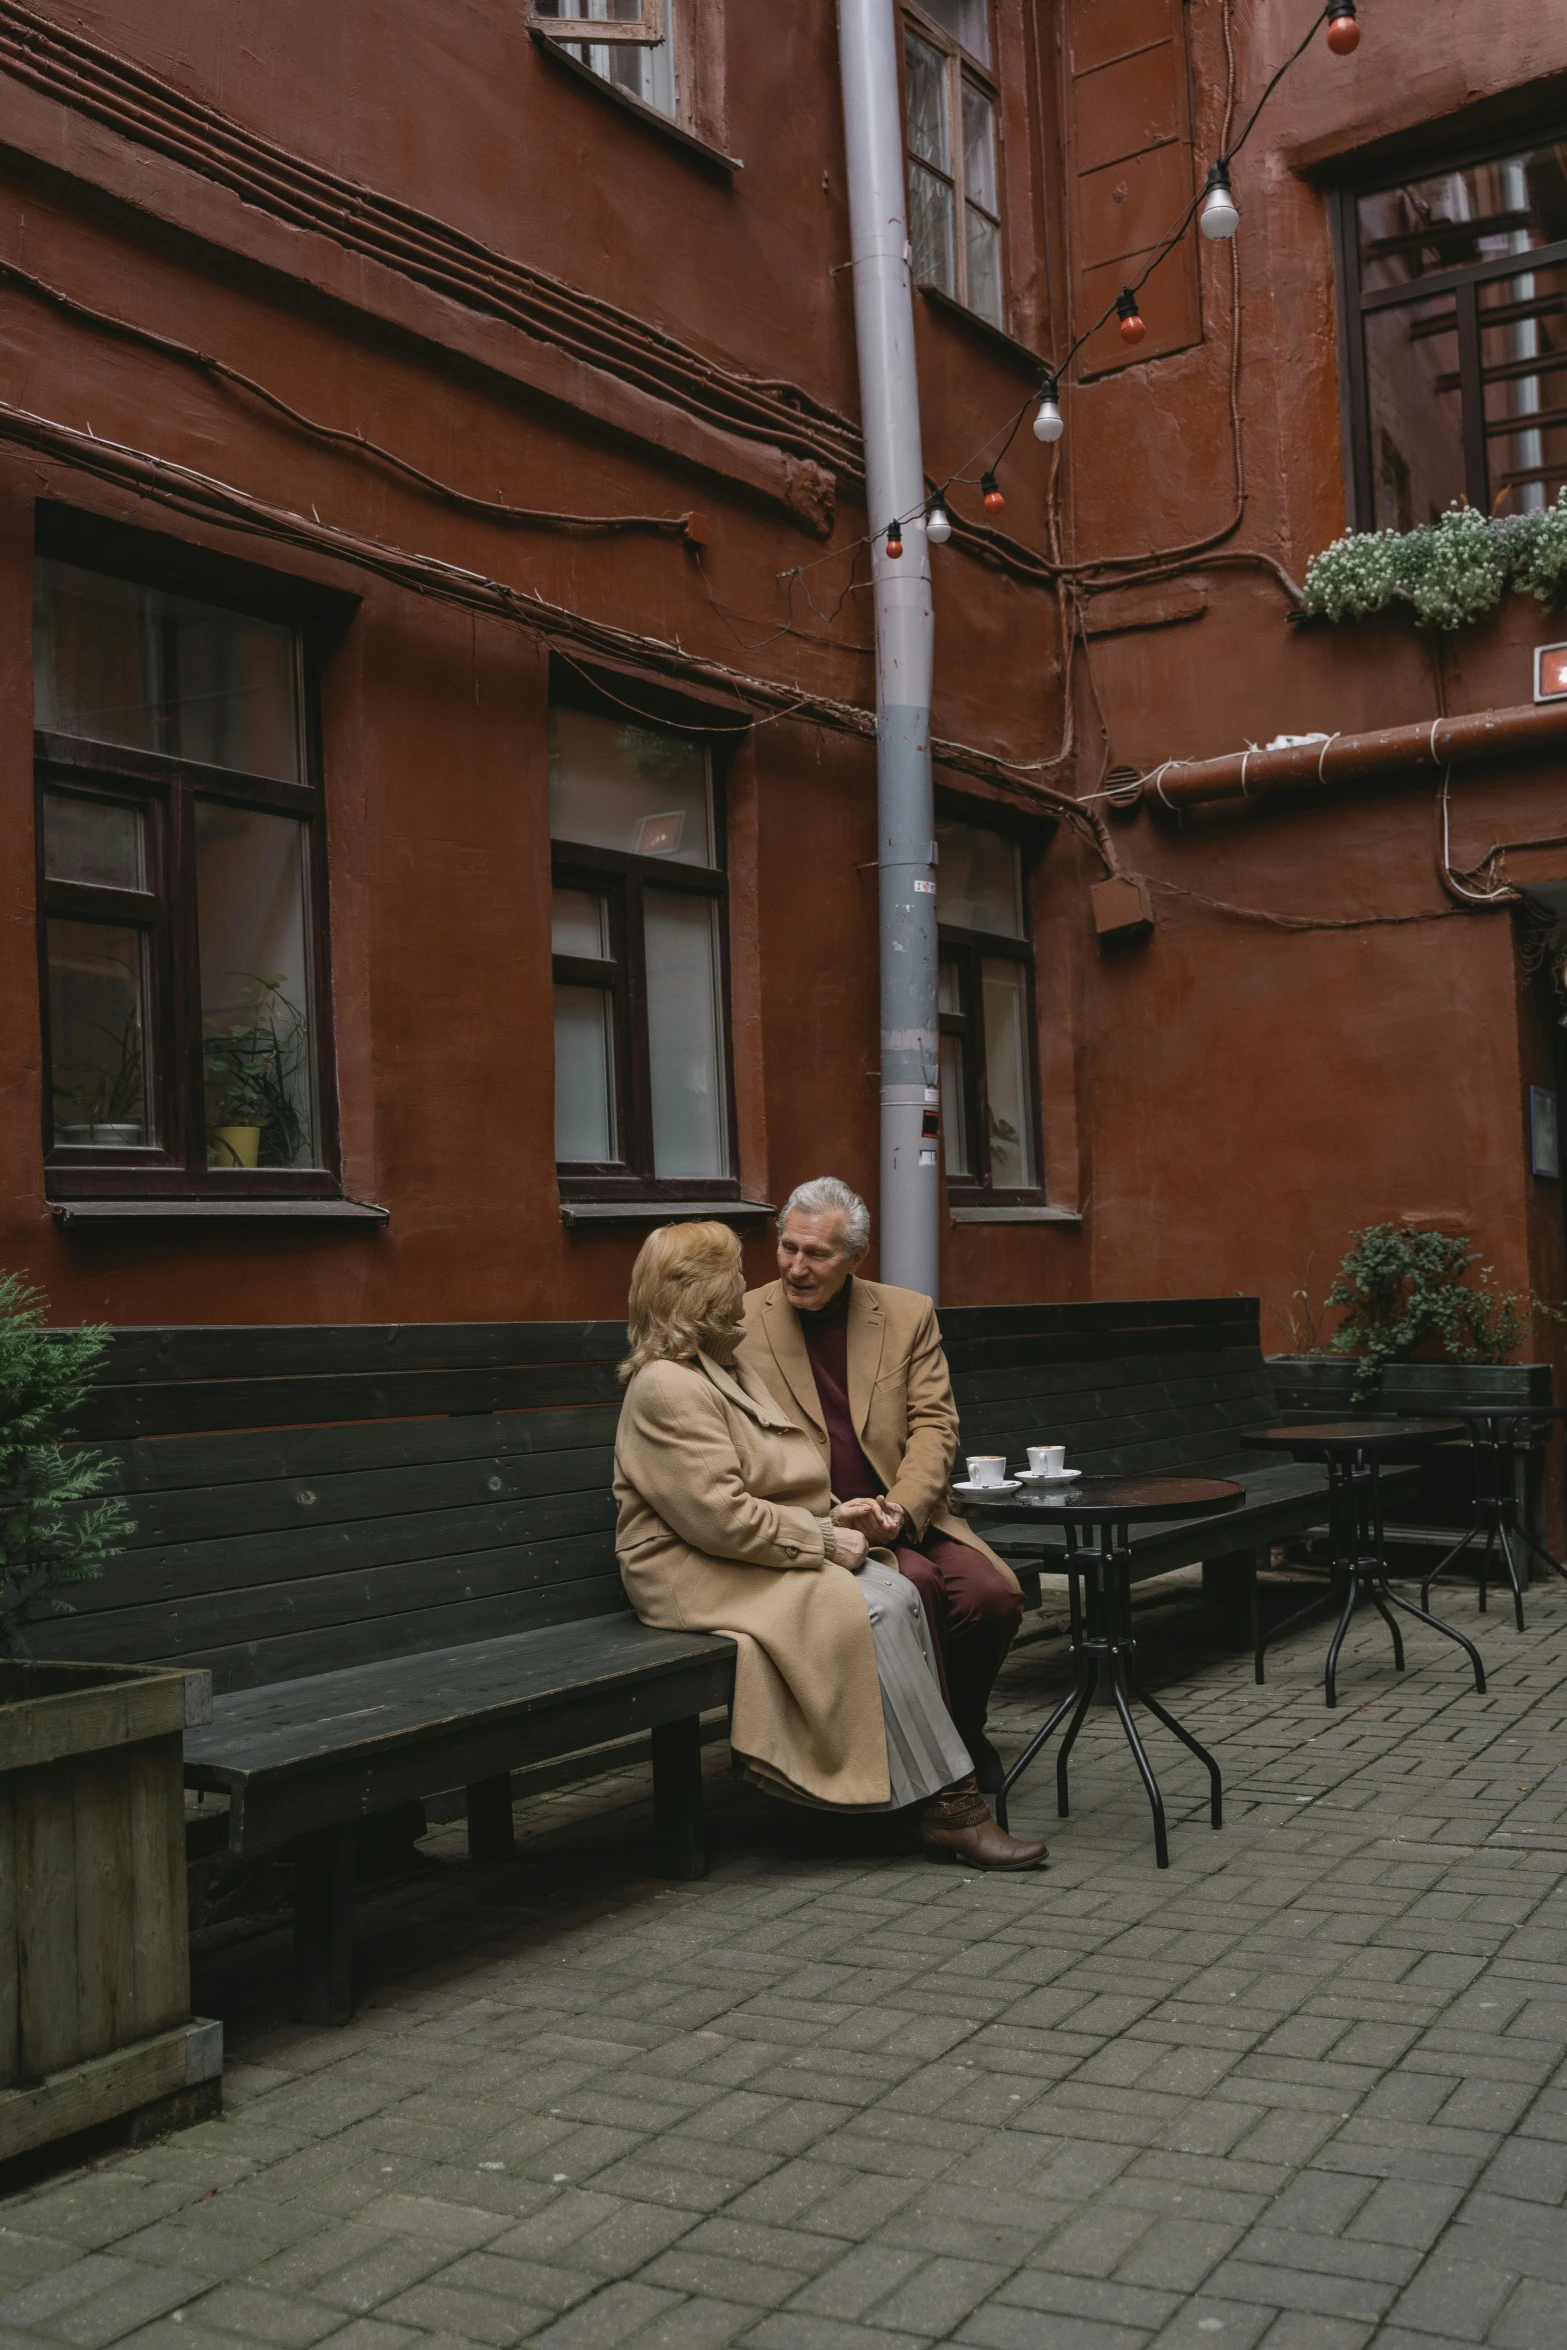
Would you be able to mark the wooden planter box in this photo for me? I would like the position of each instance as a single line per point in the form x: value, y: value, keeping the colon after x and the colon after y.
x: 95, y: 2018
x: 1321, y: 1386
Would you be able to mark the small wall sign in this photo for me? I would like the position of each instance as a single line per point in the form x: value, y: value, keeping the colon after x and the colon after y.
x: 1545, y: 1142
x: 1550, y: 673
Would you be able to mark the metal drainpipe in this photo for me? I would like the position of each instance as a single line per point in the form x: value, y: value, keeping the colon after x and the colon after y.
x: 905, y: 640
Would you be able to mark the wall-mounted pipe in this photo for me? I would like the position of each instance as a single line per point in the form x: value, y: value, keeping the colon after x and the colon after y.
x: 868, y: 39
x: 1351, y: 758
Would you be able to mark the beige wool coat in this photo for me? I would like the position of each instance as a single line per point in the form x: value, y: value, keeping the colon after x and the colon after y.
x: 900, y: 1395
x: 723, y: 1505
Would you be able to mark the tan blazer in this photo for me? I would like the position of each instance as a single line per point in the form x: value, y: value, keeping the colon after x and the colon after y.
x: 723, y: 1503
x: 900, y: 1395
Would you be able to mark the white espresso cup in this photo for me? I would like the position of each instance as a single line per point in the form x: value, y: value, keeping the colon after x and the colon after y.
x: 1047, y: 1460
x: 987, y: 1468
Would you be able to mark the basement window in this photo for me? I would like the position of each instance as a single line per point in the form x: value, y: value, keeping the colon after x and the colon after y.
x: 1456, y: 281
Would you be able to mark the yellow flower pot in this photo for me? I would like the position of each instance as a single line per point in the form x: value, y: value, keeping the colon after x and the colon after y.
x: 236, y: 1146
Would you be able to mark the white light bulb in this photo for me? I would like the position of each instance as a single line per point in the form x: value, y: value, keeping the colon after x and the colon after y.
x: 1049, y: 423
x: 938, y: 525
x: 1219, y: 218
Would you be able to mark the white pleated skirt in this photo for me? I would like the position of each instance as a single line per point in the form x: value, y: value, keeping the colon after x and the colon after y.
x: 924, y: 1751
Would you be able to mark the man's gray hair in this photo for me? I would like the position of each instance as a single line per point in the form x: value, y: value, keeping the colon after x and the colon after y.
x: 824, y: 1195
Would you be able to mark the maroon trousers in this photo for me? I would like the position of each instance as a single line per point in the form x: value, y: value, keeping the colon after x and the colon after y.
x: 973, y: 1613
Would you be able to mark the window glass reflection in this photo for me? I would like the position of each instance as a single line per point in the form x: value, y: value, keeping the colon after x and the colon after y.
x: 630, y: 788
x: 1004, y: 986
x: 252, y: 907
x: 685, y: 1035
x: 118, y: 662
x: 96, y: 841
x: 100, y: 1079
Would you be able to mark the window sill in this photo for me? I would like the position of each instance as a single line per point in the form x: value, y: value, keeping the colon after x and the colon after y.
x: 713, y: 158
x: 196, y: 1211
x: 664, y: 1211
x: 999, y: 1215
x: 1006, y: 346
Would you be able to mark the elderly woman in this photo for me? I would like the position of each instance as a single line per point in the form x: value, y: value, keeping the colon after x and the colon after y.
x: 727, y: 1525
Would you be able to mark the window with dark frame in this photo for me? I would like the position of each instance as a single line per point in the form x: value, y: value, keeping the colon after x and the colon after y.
x: 643, y: 1099
x: 985, y: 1003
x: 181, y: 877
x: 1456, y: 317
x: 950, y: 104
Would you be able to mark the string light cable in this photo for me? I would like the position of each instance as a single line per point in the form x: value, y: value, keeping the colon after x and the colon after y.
x: 1333, y: 12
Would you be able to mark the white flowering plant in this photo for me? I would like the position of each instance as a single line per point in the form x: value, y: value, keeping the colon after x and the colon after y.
x: 1452, y: 572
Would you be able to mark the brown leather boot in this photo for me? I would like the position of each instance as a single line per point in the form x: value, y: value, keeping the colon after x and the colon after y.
x: 956, y: 1825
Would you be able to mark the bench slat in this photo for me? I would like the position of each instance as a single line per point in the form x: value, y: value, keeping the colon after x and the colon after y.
x: 170, y: 1464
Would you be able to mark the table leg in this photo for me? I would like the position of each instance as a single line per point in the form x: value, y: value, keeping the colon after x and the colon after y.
x: 1438, y: 1571
x: 1380, y: 1605
x: 1451, y: 1631
x: 1042, y: 1737
x: 1161, y: 1841
x: 1084, y: 1701
x: 1330, y: 1676
x: 1215, y: 1779
x: 1540, y: 1552
x: 1512, y: 1573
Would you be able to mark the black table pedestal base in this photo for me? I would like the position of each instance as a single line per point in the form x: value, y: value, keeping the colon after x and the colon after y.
x: 1102, y: 1654
x: 1360, y: 1570
x: 1496, y: 1517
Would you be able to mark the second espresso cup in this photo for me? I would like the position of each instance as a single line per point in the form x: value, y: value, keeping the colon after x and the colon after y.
x: 1047, y: 1460
x: 987, y: 1468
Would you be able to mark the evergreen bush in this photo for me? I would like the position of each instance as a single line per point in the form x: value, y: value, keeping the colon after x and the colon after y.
x: 52, y: 1531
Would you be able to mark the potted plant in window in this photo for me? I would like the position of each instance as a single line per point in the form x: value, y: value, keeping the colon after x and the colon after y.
x: 253, y: 1066
x: 95, y: 2019
x: 107, y: 1097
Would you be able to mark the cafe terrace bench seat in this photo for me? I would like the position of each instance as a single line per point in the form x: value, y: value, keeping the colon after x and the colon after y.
x: 392, y: 1547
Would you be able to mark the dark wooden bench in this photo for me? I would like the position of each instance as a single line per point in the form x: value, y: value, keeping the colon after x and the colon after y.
x: 1132, y: 1388
x: 393, y: 1548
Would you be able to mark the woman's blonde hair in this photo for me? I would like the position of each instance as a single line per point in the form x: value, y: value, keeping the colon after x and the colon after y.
x: 682, y: 1298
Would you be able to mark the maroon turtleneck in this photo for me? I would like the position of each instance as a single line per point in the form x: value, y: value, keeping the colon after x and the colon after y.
x: 826, y: 1337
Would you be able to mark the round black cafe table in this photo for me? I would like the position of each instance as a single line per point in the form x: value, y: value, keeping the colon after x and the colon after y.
x: 1097, y: 1512
x: 1353, y: 1451
x: 1498, y: 1432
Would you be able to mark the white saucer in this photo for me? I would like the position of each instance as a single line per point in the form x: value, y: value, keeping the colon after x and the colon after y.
x: 1002, y: 1485
x: 1048, y: 1477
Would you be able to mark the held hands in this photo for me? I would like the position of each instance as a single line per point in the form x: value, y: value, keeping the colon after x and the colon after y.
x: 876, y: 1518
x: 849, y: 1547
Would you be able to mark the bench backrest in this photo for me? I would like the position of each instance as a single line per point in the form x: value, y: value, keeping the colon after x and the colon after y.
x: 308, y: 1498
x: 1128, y: 1386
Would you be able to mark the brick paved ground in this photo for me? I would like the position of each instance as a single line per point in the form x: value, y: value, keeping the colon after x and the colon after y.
x: 1306, y: 2090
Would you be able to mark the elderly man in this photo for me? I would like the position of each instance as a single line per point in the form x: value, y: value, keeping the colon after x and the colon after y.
x: 861, y: 1365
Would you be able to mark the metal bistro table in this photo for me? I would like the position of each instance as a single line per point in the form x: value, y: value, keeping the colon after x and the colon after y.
x: 1353, y: 1451
x: 1494, y: 1432
x: 1097, y: 1512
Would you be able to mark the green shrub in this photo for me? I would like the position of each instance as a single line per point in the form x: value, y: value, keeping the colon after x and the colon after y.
x: 1451, y: 572
x: 1401, y: 1294
x: 52, y: 1532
